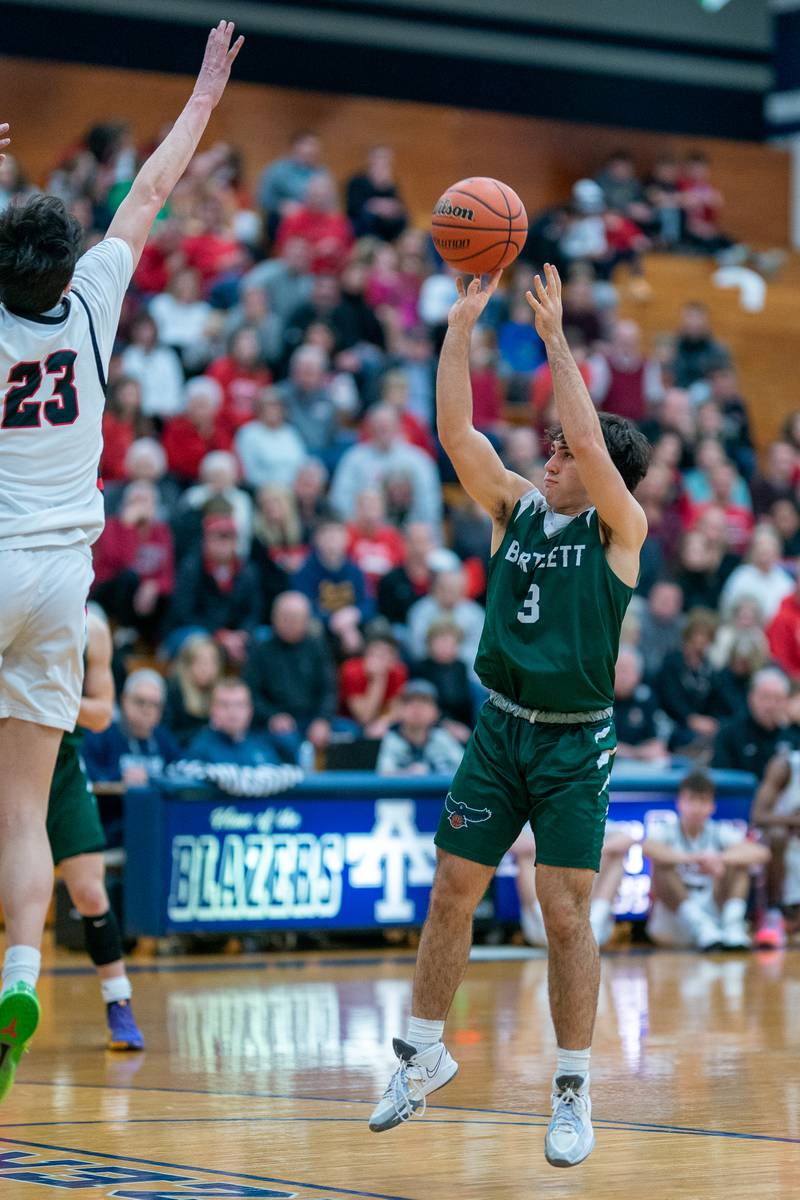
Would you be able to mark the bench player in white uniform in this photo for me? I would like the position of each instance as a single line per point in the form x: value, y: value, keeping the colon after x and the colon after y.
x: 58, y: 318
x: 701, y: 873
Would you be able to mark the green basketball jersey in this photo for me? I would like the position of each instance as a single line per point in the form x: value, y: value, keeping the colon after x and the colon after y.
x: 554, y: 609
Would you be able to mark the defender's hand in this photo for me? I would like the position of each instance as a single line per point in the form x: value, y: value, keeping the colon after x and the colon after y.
x: 546, y: 304
x: 5, y: 139
x: 472, y: 301
x: 217, y: 63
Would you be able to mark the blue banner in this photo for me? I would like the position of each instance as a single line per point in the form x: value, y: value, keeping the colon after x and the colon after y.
x: 334, y: 854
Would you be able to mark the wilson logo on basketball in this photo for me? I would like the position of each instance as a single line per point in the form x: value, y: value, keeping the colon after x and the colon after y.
x: 445, y: 209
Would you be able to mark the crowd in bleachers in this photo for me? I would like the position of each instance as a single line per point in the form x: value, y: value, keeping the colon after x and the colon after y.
x: 286, y: 542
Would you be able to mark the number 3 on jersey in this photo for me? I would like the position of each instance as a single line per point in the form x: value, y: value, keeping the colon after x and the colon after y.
x: 529, y: 613
x: 21, y: 411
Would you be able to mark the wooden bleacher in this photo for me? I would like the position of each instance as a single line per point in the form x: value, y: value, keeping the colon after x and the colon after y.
x: 765, y: 345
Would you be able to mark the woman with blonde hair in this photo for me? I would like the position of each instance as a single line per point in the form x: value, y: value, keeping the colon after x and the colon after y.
x: 197, y: 669
x: 277, y: 528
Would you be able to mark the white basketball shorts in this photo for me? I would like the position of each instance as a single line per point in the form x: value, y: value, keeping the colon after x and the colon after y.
x: 665, y: 926
x: 43, y: 633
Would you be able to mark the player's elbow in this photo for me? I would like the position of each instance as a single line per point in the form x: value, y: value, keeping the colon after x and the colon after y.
x: 98, y: 718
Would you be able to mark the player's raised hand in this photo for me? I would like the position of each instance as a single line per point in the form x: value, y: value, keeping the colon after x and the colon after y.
x: 472, y: 300
x: 5, y: 138
x: 546, y: 304
x: 217, y: 62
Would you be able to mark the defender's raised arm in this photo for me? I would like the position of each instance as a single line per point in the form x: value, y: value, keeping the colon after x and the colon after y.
x: 165, y: 166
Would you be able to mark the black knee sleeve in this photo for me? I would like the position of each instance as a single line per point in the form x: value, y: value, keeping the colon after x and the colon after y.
x: 103, y: 940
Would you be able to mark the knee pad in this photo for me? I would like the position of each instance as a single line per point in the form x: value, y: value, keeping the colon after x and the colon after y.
x: 103, y: 940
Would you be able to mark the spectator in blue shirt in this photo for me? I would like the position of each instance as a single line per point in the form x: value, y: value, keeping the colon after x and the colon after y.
x: 228, y: 737
x: 335, y: 586
x: 283, y: 183
x: 137, y: 746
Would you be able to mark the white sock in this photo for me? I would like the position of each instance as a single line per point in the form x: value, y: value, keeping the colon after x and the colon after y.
x: 422, y: 1033
x: 733, y: 911
x: 599, y: 910
x: 116, y: 989
x: 21, y: 965
x: 573, y: 1062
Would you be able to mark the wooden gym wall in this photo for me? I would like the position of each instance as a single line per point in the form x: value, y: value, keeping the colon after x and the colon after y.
x: 51, y: 104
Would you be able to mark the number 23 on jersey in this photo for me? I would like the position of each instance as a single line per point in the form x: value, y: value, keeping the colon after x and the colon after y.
x: 21, y: 409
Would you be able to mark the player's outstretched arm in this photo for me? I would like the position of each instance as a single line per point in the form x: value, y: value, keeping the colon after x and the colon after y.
x: 615, y: 505
x: 97, y: 704
x: 134, y: 218
x: 477, y: 464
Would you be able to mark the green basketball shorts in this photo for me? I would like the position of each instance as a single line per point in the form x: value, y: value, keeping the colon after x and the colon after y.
x: 73, y: 819
x: 513, y: 771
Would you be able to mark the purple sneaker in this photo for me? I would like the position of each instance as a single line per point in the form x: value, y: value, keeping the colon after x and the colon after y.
x: 123, y: 1032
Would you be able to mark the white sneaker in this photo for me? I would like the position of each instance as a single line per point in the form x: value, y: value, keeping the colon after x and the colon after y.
x: 735, y: 935
x: 570, y: 1137
x: 602, y: 923
x: 704, y: 931
x: 532, y: 925
x: 708, y: 934
x: 420, y: 1073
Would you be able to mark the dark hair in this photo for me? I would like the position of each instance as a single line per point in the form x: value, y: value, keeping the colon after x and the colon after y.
x: 103, y: 141
x: 627, y: 446
x: 228, y: 682
x: 39, y: 246
x: 699, y: 782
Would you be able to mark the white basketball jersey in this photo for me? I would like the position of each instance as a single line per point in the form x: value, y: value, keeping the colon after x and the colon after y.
x: 52, y: 394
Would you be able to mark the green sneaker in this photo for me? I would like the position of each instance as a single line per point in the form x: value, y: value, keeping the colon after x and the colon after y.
x: 19, y: 1016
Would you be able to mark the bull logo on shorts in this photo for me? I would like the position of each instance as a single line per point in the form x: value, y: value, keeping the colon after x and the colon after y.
x: 460, y: 814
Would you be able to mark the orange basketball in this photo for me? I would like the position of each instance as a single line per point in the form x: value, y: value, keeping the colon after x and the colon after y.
x: 479, y: 225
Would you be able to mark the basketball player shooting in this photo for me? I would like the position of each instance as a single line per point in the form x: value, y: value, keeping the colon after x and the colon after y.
x: 563, y: 569
x: 58, y: 317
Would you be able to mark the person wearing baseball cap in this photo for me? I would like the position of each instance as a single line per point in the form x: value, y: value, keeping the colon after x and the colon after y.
x: 417, y: 744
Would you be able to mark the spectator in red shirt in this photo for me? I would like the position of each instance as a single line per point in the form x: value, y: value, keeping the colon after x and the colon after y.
x: 541, y: 389
x: 318, y: 223
x: 214, y: 252
x: 123, y: 422
x: 242, y: 376
x: 628, y: 383
x: 392, y: 292
x: 394, y: 392
x: 702, y: 203
x: 488, y: 389
x: 160, y: 257
x: 739, y: 520
x: 783, y: 635
x: 374, y: 544
x: 189, y: 437
x: 370, y: 684
x: 134, y: 566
